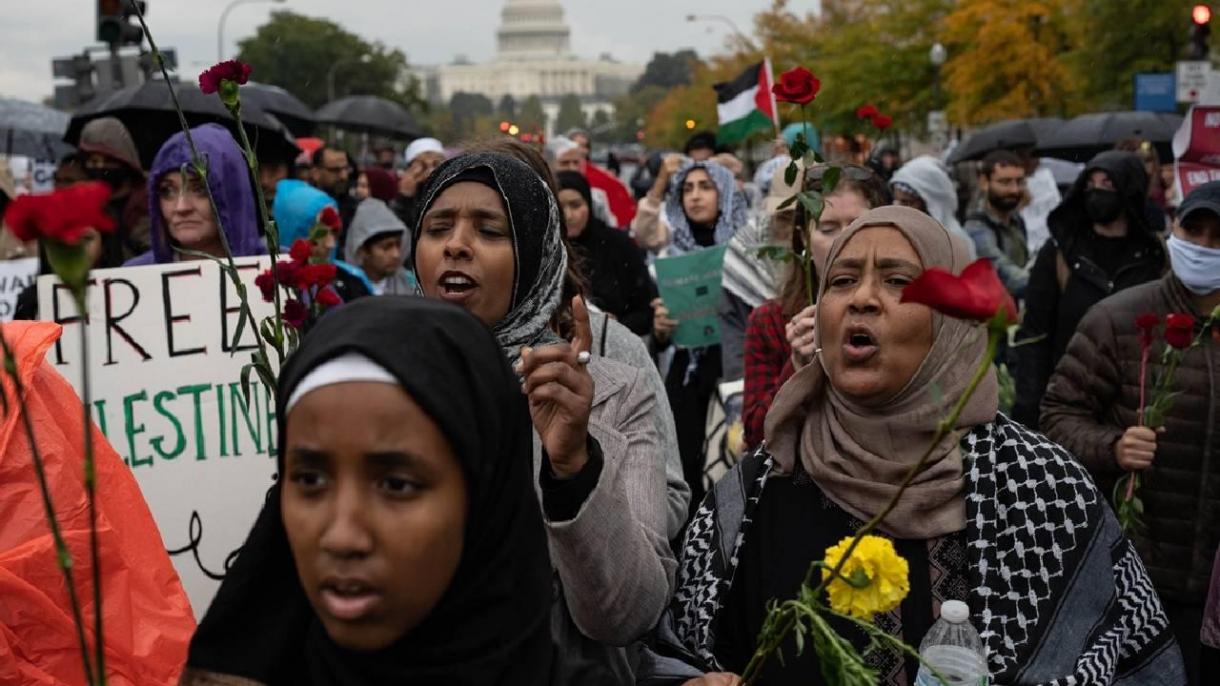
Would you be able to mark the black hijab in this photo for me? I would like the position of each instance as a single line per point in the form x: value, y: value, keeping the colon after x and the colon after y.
x: 492, y: 624
x: 538, y: 254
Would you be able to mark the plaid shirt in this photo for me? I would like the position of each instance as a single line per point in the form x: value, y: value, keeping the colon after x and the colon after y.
x: 768, y: 364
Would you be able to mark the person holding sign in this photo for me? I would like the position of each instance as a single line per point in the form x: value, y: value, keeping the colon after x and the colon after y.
x: 703, y: 210
x: 182, y: 225
x: 489, y: 240
x: 403, y: 543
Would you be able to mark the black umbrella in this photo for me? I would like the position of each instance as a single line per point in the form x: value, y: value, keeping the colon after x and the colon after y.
x: 295, y: 115
x: 1081, y: 138
x: 371, y: 114
x: 148, y: 113
x: 1012, y: 134
x: 32, y: 130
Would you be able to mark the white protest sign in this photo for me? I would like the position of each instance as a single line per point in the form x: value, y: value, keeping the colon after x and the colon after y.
x: 15, y: 276
x: 165, y: 368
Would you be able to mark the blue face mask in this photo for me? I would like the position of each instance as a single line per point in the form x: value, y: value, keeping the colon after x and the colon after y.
x: 1196, y: 266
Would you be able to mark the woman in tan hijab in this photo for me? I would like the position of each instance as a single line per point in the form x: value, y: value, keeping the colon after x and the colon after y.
x: 1000, y: 517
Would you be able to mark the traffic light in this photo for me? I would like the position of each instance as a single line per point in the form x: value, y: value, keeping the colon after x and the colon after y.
x: 1200, y: 31
x: 114, y: 22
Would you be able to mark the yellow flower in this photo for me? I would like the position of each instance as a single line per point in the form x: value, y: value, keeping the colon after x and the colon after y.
x: 873, y: 580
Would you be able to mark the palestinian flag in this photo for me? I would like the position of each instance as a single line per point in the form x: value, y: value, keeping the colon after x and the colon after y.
x: 746, y: 105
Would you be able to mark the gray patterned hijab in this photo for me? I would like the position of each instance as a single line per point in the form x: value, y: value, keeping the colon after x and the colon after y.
x: 538, y: 255
x: 732, y: 206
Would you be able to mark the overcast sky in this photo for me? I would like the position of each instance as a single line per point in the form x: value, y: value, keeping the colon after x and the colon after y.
x: 32, y: 32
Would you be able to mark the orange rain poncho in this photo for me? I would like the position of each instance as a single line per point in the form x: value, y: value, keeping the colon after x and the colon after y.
x: 147, y: 618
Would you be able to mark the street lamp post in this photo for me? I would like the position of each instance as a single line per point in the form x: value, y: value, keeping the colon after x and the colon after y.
x: 937, y: 56
x: 330, y: 73
x: 220, y: 26
x: 745, y: 40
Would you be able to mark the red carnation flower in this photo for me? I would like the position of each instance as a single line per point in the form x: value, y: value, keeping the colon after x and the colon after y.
x: 330, y: 218
x: 229, y: 70
x: 867, y: 111
x: 882, y: 121
x: 63, y: 215
x: 328, y: 297
x: 266, y: 284
x: 1146, y: 323
x: 316, y: 275
x: 977, y: 294
x: 288, y: 273
x: 1180, y: 330
x: 797, y: 85
x: 301, y: 250
x: 295, y: 313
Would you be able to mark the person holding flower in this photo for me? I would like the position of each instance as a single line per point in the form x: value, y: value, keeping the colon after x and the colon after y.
x: 300, y: 212
x: 1093, y: 406
x: 181, y: 216
x: 996, y: 516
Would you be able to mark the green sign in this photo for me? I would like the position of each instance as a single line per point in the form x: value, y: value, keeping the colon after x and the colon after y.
x: 690, y: 286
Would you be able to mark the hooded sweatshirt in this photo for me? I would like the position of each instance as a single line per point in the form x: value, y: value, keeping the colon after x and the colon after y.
x: 296, y: 209
x: 928, y: 178
x: 1078, y: 268
x: 229, y: 181
x: 374, y: 218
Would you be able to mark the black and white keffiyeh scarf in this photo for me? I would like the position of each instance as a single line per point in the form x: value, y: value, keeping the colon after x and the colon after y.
x: 538, y: 252
x: 1058, y: 595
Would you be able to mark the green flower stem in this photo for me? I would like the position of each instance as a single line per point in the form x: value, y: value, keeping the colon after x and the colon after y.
x: 63, y: 557
x: 767, y: 644
x: 270, y: 232
x: 202, y: 170
x: 80, y: 294
x: 881, y: 637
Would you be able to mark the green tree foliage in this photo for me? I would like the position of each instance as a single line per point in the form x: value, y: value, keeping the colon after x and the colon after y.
x: 601, y: 127
x: 296, y: 52
x: 1112, y: 41
x: 631, y: 111
x: 531, y: 118
x: 570, y: 116
x: 467, y: 108
x: 667, y: 70
x: 507, y: 108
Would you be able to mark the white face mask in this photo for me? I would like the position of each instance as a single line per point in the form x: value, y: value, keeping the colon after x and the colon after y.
x: 1196, y: 266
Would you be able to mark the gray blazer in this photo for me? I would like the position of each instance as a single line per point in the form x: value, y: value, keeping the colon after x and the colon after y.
x: 615, y: 341
x: 613, y: 563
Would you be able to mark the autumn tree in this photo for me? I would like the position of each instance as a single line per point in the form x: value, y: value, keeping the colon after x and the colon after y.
x: 1006, y: 60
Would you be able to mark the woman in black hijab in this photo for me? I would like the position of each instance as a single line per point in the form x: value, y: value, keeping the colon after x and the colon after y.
x: 615, y: 267
x: 407, y: 549
x: 488, y: 239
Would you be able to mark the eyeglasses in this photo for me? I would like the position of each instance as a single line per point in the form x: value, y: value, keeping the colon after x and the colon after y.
x: 846, y: 171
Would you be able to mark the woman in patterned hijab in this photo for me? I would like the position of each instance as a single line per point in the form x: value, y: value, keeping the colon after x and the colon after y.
x: 1000, y: 517
x: 488, y: 239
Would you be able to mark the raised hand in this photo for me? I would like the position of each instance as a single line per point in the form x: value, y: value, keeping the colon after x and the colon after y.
x: 560, y: 392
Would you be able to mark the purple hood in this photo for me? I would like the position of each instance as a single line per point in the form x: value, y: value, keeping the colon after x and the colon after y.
x: 229, y: 181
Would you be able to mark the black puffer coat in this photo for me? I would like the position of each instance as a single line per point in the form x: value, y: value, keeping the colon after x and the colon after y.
x: 1094, y: 396
x: 1067, y: 277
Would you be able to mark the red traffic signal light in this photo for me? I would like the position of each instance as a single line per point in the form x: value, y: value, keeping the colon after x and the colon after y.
x: 1201, y: 14
x: 504, y: 126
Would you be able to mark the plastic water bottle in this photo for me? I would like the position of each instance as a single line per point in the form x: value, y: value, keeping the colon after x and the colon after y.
x: 954, y: 648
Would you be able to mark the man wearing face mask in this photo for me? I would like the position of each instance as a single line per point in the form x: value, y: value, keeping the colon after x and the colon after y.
x: 1100, y: 244
x: 997, y: 229
x: 1092, y: 409
x: 108, y: 154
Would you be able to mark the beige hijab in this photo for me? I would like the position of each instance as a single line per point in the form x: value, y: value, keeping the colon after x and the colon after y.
x: 859, y: 455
